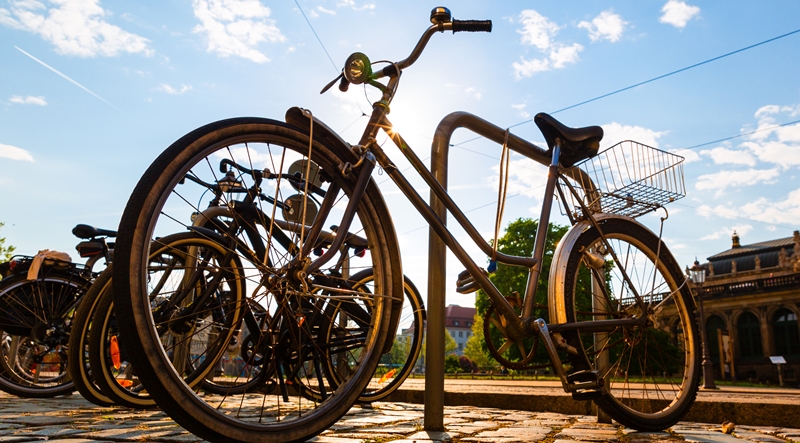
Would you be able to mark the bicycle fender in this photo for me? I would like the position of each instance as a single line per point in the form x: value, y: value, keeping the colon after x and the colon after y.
x: 558, y: 269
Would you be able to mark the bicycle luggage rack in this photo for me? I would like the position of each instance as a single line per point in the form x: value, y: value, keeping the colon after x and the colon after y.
x: 631, y: 179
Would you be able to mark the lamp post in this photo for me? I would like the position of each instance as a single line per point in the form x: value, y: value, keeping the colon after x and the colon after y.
x: 698, y: 276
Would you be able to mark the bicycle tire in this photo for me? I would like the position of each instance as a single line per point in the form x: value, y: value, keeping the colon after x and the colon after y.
x: 407, y: 345
x: 80, y: 369
x: 32, y: 307
x: 107, y: 376
x: 652, y: 375
x: 160, y: 204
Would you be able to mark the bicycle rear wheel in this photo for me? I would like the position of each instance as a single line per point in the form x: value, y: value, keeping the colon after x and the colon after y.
x: 35, y: 316
x: 290, y: 338
x: 396, y: 365
x: 652, y: 370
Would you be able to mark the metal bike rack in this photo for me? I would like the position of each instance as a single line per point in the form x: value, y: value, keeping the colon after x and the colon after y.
x: 437, y: 252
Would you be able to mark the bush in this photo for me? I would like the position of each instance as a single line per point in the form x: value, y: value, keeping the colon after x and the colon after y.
x: 466, y: 364
x: 451, y: 364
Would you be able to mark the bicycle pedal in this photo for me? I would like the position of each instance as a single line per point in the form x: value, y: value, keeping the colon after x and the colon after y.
x: 586, y: 385
x: 466, y: 284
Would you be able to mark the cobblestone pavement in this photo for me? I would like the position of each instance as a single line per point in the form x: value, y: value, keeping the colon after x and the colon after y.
x: 72, y: 419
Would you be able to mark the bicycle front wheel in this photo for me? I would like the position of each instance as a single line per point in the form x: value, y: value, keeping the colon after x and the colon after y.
x: 261, y: 169
x: 651, y: 370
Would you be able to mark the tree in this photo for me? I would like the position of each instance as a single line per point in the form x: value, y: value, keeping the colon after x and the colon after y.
x: 5, y: 251
x: 519, y: 239
x: 475, y: 348
x: 450, y: 346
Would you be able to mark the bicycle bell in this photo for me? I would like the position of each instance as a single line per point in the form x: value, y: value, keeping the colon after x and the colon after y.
x: 440, y: 14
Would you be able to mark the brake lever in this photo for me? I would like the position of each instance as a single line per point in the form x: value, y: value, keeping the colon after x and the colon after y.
x: 330, y: 85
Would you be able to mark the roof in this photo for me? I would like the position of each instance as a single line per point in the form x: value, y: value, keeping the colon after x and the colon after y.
x: 768, y: 254
x: 464, y: 316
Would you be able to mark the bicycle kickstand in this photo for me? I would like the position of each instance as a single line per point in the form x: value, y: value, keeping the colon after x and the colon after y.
x: 584, y: 384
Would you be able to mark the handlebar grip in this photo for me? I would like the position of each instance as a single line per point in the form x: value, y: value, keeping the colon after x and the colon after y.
x: 472, y: 26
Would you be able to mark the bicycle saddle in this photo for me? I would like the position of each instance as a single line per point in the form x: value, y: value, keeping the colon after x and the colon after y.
x: 86, y: 231
x: 576, y: 143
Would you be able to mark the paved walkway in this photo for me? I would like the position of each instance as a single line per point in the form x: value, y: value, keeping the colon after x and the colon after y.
x: 71, y: 419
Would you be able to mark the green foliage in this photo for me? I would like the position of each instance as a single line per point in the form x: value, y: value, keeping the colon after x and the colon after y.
x: 475, y: 348
x: 451, y: 364
x: 5, y: 251
x: 519, y: 239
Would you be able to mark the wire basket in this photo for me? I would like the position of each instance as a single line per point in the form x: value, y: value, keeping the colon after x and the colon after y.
x: 628, y: 178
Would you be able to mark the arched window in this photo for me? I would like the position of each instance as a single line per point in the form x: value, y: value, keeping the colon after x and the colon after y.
x: 749, y: 329
x: 784, y: 329
x: 713, y: 324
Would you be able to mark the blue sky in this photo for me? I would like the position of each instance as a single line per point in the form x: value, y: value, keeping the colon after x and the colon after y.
x: 92, y: 91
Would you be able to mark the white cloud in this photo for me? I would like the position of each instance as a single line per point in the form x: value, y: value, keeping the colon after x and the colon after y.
x: 236, y: 27
x: 326, y: 11
x: 472, y: 92
x: 74, y: 27
x: 606, y: 26
x: 677, y: 13
x: 537, y: 30
x: 725, y: 156
x: 727, y: 232
x: 170, y: 90
x: 352, y: 4
x: 785, y: 212
x: 688, y: 155
x: 14, y: 153
x: 29, y: 100
x: 520, y: 107
x: 614, y: 133
x: 725, y: 179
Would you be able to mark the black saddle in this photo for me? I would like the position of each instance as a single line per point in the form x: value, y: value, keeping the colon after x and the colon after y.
x: 576, y: 143
x: 86, y: 231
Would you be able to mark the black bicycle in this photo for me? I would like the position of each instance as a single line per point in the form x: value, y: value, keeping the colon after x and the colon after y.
x: 36, y: 315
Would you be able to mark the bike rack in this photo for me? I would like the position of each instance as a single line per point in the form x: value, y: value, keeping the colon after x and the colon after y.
x: 437, y: 251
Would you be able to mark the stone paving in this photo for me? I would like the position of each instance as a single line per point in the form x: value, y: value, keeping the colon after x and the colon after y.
x: 71, y: 419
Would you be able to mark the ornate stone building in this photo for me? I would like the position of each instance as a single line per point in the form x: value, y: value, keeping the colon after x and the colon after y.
x: 752, y: 294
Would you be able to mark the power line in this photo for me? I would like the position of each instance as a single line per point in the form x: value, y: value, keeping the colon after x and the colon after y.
x: 743, y: 135
x: 317, y: 36
x: 653, y: 79
x: 679, y: 71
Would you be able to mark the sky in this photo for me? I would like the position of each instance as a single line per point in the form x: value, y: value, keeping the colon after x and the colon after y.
x: 92, y: 91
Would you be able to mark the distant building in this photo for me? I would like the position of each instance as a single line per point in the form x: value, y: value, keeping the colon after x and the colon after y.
x: 458, y: 322
x: 752, y: 295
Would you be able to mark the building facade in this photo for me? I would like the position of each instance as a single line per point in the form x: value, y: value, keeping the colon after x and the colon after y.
x: 458, y: 322
x: 751, y: 299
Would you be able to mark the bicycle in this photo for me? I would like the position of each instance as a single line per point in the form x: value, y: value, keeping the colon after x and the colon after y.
x: 116, y: 378
x: 36, y: 316
x: 610, y: 285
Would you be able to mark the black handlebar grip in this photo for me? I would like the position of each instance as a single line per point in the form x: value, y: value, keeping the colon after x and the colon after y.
x: 344, y: 85
x: 472, y: 26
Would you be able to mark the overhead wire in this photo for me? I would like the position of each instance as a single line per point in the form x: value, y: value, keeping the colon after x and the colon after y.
x: 677, y: 71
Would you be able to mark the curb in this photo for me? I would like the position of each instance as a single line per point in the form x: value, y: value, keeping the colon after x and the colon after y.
x: 703, y: 411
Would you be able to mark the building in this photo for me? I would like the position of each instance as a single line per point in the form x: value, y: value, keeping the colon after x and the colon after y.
x: 458, y: 322
x: 751, y: 299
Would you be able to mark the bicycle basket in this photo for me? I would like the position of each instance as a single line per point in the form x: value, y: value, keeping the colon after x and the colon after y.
x: 628, y: 178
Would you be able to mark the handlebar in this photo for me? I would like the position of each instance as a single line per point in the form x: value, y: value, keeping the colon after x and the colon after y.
x: 442, y: 21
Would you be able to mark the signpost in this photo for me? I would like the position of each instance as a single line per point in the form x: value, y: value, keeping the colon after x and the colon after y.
x: 778, y: 361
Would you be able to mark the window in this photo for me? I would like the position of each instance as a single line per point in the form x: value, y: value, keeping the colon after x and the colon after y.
x: 461, y: 346
x: 469, y: 324
x: 749, y: 329
x: 460, y: 334
x: 784, y: 329
x: 455, y: 322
